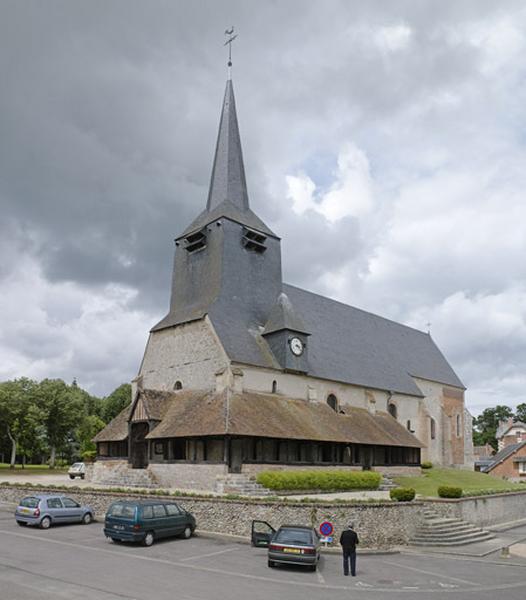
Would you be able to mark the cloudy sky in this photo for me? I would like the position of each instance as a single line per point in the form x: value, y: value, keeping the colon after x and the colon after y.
x: 384, y: 141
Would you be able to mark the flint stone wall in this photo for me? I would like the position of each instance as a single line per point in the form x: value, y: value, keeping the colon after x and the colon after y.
x: 483, y: 511
x: 381, y: 525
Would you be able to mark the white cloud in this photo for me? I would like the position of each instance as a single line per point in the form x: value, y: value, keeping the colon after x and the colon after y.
x: 392, y: 38
x: 350, y: 195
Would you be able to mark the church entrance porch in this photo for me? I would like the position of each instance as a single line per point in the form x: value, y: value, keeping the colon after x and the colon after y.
x: 139, y: 445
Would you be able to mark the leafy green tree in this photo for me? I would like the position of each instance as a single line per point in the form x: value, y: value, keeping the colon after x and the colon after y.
x: 16, y: 398
x: 485, y: 425
x: 520, y: 413
x: 62, y: 411
x: 89, y: 427
x: 116, y: 402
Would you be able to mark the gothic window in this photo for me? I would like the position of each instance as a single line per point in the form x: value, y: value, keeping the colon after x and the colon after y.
x: 253, y: 240
x: 178, y: 385
x: 332, y: 401
x: 458, y: 425
x: 432, y: 426
x: 393, y: 411
x: 274, y: 387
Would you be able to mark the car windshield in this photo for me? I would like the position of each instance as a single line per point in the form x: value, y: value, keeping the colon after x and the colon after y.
x: 294, y: 536
x: 76, y: 465
x: 122, y: 510
x: 29, y: 502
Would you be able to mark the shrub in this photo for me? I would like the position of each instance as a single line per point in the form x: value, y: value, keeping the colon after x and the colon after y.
x: 449, y: 491
x: 427, y: 464
x: 319, y: 480
x: 402, y: 494
x: 89, y: 455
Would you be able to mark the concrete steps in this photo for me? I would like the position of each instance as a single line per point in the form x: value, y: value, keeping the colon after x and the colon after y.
x: 241, y: 485
x: 386, y: 484
x: 125, y: 477
x: 444, y: 531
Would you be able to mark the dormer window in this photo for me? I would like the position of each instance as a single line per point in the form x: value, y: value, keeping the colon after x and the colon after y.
x: 253, y: 240
x: 195, y: 241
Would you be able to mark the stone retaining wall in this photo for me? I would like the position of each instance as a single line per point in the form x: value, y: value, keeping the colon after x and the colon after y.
x: 483, y: 511
x: 379, y: 525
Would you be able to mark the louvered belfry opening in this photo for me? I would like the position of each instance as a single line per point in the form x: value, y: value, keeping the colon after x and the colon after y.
x: 253, y: 240
x: 195, y: 241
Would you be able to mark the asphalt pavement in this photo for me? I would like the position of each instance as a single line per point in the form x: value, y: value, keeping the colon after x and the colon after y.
x: 78, y: 562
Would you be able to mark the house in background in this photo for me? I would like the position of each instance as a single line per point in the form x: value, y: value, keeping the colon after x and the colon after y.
x: 509, y: 463
x: 510, y: 432
x: 483, y: 456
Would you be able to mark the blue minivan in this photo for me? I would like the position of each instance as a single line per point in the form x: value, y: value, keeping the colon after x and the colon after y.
x: 146, y: 521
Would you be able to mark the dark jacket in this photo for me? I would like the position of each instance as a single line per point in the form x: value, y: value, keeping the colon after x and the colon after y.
x: 349, y: 540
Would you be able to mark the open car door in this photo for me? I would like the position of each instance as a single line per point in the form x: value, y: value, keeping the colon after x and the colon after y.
x: 262, y: 533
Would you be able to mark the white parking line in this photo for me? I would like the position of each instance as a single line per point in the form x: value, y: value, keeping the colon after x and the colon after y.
x: 321, y: 578
x: 208, y: 555
x: 439, y: 575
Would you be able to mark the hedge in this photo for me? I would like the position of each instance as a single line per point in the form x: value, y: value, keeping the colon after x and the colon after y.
x: 402, y: 494
x: 427, y: 464
x: 449, y: 491
x: 319, y: 480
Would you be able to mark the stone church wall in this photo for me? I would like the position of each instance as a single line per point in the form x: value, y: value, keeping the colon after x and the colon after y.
x: 189, y: 353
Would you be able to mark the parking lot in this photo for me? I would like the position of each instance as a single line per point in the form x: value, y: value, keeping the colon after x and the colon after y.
x: 76, y: 561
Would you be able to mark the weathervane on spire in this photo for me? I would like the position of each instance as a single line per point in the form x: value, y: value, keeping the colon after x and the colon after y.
x: 231, y: 38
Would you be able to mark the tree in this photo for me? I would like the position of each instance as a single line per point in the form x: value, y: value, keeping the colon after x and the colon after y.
x: 520, y: 413
x: 486, y: 425
x: 16, y: 398
x: 89, y: 427
x: 62, y: 410
x: 116, y: 402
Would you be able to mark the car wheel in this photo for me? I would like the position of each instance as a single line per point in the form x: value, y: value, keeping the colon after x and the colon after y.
x: 187, y: 533
x: 82, y: 476
x: 87, y: 519
x: 45, y: 523
x: 148, y: 539
x: 115, y: 540
x: 313, y: 567
x: 22, y: 523
x: 271, y: 564
x: 72, y: 476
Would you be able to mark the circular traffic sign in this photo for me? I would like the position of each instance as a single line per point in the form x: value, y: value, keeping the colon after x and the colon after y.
x: 326, y: 528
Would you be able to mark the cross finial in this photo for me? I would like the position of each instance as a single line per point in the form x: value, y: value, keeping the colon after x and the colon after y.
x: 231, y: 38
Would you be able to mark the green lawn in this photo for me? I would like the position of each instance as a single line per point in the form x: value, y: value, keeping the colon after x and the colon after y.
x: 427, y: 483
x: 33, y: 469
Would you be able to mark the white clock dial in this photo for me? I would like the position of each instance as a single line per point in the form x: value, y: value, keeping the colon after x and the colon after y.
x: 296, y: 346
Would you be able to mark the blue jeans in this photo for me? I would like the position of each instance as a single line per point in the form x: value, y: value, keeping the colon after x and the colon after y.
x: 349, y: 557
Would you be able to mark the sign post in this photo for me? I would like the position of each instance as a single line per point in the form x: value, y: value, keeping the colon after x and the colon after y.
x: 326, y: 530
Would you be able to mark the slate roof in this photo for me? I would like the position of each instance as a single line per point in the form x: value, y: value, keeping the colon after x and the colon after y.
x: 505, y: 426
x: 504, y: 454
x: 273, y: 416
x: 283, y: 316
x: 346, y: 344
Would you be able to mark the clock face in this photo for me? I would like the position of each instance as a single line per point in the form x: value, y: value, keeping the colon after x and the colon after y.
x: 296, y: 346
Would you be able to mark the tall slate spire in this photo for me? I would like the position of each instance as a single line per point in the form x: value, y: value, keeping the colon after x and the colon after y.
x: 228, y: 173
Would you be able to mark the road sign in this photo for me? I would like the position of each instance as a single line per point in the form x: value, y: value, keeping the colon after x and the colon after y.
x: 326, y: 528
x: 326, y: 540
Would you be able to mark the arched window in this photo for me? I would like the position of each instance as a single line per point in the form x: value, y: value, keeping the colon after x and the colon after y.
x: 432, y: 427
x: 332, y: 401
x: 408, y: 425
x: 393, y: 411
x: 178, y: 385
x: 458, y: 425
x: 274, y: 386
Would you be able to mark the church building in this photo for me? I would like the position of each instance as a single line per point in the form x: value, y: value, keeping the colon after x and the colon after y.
x: 247, y: 373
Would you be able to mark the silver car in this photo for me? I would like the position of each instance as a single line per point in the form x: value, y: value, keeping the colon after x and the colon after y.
x: 48, y: 510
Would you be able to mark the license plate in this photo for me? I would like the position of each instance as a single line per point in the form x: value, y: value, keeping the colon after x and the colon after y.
x: 118, y: 527
x: 292, y: 550
x: 25, y: 511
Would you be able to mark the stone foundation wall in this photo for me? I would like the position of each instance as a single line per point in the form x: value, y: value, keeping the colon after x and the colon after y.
x: 379, y: 525
x: 483, y: 511
x: 187, y: 476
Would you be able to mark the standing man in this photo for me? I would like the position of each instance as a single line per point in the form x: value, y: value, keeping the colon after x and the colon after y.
x: 348, y: 541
